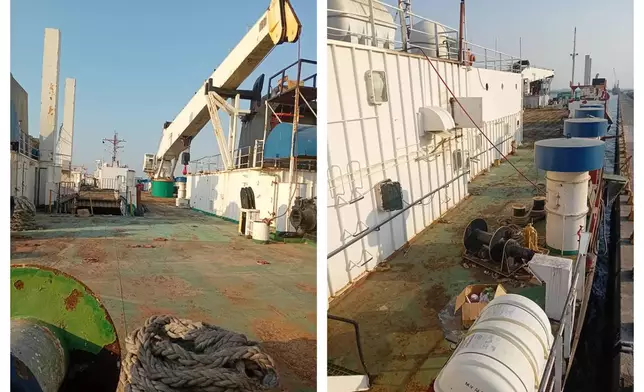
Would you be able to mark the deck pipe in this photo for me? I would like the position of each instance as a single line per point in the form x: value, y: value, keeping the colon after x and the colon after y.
x: 567, y: 162
x: 38, y: 357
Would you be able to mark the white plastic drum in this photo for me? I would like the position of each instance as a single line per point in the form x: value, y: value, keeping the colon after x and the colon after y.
x: 260, y: 231
x: 506, y: 350
x: 566, y: 206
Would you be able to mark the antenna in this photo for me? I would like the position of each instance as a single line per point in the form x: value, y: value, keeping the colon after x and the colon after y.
x: 574, y: 54
x: 115, y: 142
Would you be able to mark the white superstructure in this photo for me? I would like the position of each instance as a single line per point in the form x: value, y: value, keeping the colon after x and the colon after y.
x: 380, y: 102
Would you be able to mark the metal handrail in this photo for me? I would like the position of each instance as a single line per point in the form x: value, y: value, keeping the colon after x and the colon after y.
x: 505, y: 61
x: 283, y: 73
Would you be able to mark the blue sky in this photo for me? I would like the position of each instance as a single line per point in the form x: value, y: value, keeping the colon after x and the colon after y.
x: 137, y: 63
x: 604, y: 30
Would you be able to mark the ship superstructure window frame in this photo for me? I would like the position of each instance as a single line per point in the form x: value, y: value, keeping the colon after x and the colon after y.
x: 377, y: 87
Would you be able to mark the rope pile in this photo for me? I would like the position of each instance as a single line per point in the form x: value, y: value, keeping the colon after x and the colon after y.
x: 24, y: 215
x: 169, y: 354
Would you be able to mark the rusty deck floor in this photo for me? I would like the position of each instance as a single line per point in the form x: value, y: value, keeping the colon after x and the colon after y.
x: 397, y: 308
x: 190, y: 265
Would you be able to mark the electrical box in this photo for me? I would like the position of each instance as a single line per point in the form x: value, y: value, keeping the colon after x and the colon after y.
x: 389, y: 196
x: 474, y: 107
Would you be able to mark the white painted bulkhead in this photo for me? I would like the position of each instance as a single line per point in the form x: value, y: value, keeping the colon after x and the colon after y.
x: 219, y: 193
x: 370, y: 143
x: 23, y: 175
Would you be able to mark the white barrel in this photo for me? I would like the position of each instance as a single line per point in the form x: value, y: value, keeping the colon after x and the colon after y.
x: 566, y: 207
x: 260, y: 231
x: 505, y: 350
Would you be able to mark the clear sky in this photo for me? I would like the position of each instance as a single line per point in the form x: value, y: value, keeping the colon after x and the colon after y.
x: 604, y: 31
x: 137, y: 63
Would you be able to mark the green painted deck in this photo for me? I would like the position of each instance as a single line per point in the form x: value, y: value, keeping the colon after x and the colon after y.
x: 184, y: 263
x: 397, y: 308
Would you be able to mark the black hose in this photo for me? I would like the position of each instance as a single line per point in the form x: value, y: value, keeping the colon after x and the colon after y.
x: 357, y: 331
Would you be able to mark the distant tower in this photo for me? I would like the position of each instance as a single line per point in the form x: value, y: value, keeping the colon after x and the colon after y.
x: 116, y: 146
x: 587, y: 66
x: 574, y: 54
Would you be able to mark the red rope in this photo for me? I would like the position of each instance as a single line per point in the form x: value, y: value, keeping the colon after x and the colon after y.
x: 477, y: 127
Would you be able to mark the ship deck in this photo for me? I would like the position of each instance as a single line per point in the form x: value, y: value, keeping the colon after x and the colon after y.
x: 398, y: 307
x: 184, y: 263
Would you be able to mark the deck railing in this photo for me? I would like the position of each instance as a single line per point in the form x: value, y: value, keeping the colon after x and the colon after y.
x: 440, y: 42
x: 301, y: 69
x: 562, y: 350
x: 24, y: 145
x: 553, y: 376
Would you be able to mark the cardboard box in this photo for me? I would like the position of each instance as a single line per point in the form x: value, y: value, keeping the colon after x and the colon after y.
x: 470, y: 311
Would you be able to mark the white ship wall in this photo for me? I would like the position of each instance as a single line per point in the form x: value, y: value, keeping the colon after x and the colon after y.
x: 368, y: 144
x: 23, y: 176
x: 218, y: 193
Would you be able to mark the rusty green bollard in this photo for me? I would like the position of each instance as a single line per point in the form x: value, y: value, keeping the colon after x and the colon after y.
x: 62, y: 337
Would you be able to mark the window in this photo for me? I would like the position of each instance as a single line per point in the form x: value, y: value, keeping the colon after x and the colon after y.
x: 377, y: 92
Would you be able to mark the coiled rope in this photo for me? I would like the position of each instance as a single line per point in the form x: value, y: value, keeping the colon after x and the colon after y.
x: 169, y: 354
x: 24, y: 215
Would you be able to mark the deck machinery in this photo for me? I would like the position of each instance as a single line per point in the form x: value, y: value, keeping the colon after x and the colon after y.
x: 277, y: 25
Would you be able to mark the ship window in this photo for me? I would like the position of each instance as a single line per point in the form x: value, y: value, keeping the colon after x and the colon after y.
x: 501, y: 86
x: 457, y: 160
x: 377, y: 87
x: 516, y: 86
x: 487, y: 87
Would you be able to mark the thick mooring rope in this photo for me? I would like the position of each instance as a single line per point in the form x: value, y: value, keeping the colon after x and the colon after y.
x: 24, y: 215
x: 169, y: 354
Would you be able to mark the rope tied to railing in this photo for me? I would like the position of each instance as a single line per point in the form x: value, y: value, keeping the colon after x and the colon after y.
x: 169, y: 354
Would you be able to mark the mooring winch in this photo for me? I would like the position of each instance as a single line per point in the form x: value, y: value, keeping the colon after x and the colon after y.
x: 497, y: 246
x: 62, y: 337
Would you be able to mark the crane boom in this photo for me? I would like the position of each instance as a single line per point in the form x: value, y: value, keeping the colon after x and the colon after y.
x: 277, y: 25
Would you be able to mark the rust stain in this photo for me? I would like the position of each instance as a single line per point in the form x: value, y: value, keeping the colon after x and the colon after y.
x: 72, y: 300
x: 19, y: 284
x: 114, y: 348
x: 306, y: 288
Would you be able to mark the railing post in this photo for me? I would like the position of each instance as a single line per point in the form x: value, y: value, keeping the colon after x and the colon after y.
x: 438, y: 54
x: 485, y: 57
x: 558, y: 365
x: 373, y: 26
x: 500, y: 61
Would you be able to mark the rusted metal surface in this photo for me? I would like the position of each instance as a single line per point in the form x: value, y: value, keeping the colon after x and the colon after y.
x: 67, y: 311
x: 402, y: 304
x: 190, y: 265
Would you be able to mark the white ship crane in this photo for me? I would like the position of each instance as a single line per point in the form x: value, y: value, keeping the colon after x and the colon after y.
x: 277, y: 25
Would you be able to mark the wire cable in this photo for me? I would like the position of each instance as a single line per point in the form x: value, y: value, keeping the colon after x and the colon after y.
x: 536, y: 186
